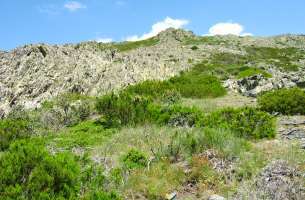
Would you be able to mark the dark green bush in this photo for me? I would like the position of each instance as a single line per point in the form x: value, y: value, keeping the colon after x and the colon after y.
x: 198, y: 85
x: 28, y: 171
x: 175, y: 115
x: 11, y: 130
x: 127, y: 108
x: 153, y: 88
x: 285, y: 101
x: 124, y: 108
x: 134, y: 159
x: 253, y: 71
x: 194, y: 48
x: 244, y: 122
x: 189, y: 84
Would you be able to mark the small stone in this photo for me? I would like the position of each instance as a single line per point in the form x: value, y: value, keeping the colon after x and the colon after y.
x: 216, y: 197
x: 171, y: 196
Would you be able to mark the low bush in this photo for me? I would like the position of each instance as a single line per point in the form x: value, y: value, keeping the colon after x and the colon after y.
x: 244, y: 122
x: 253, y: 71
x: 65, y: 110
x: 134, y: 159
x: 198, y: 85
x: 11, y: 130
x: 284, y: 101
x: 153, y: 88
x: 194, y: 48
x: 127, y: 108
x: 175, y: 115
x: 192, y: 84
x: 85, y: 134
x: 28, y: 171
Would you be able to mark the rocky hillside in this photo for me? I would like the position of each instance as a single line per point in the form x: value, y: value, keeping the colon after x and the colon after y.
x: 34, y: 73
x: 206, y: 128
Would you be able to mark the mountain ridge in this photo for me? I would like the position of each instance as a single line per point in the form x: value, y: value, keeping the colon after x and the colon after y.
x: 37, y: 72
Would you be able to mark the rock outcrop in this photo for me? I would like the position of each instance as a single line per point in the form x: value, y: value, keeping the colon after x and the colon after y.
x: 277, y: 181
x: 34, y: 73
x: 254, y: 85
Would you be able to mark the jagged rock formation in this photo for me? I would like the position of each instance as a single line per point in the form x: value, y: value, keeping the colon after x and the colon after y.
x: 34, y: 73
x: 254, y: 85
x: 276, y: 181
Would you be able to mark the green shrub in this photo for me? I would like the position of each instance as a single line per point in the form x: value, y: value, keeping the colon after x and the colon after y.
x: 171, y: 97
x: 153, y: 88
x: 198, y: 85
x: 100, y: 195
x: 85, y: 134
x: 109, y: 122
x: 175, y: 115
x: 189, y: 84
x: 11, y: 130
x: 244, y: 122
x: 65, y: 110
x: 28, y: 171
x: 253, y: 71
x: 285, y: 101
x: 134, y: 159
x: 127, y: 108
x: 194, y: 48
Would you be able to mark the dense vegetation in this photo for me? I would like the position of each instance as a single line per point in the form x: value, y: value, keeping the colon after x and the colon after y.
x: 225, y: 65
x: 135, y: 142
x: 189, y: 84
x: 244, y: 122
x: 11, y: 130
x: 253, y: 71
x: 28, y: 171
x: 284, y: 101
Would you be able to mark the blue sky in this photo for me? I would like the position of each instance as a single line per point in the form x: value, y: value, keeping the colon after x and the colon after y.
x: 60, y: 21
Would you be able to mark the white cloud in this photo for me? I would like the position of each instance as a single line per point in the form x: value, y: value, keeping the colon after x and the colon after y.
x: 104, y: 40
x: 228, y: 28
x: 160, y: 26
x: 74, y: 6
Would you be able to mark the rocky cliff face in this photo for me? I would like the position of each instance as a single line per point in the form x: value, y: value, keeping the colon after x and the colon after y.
x: 34, y: 73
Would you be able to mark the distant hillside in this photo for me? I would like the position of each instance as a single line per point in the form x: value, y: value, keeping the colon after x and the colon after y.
x: 34, y: 73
